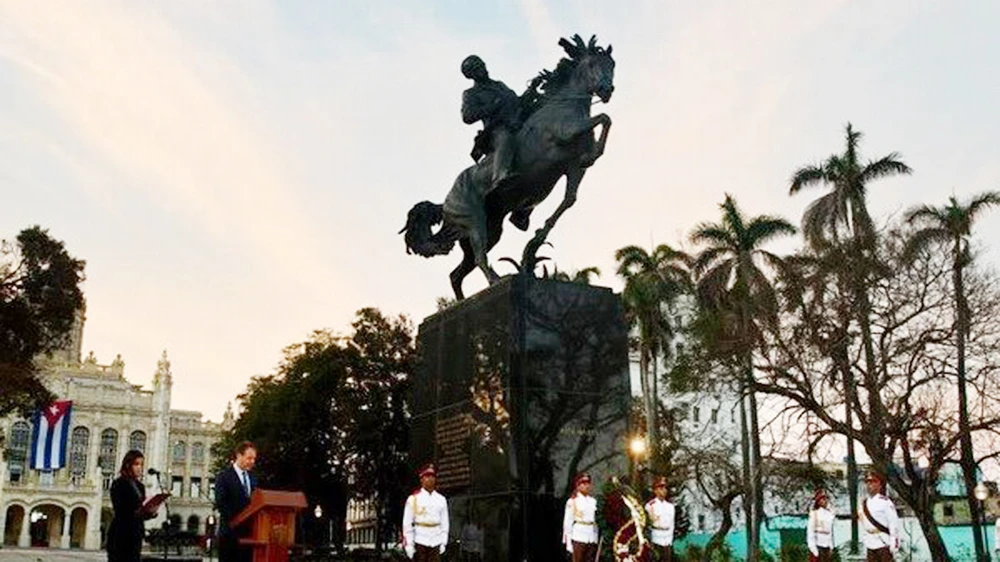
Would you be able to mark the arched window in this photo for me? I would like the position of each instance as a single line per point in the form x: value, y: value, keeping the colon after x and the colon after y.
x: 109, y: 451
x: 180, y: 451
x: 79, y: 444
x: 17, y: 453
x: 198, y: 452
x: 193, y: 523
x: 137, y: 441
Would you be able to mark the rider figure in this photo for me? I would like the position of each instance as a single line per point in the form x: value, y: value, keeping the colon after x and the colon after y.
x: 499, y: 108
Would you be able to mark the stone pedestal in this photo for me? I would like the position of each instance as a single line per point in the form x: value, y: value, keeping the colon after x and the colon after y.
x: 521, y: 387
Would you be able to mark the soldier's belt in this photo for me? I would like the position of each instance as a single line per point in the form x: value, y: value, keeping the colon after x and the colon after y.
x: 661, y: 528
x: 584, y: 522
x: 419, y: 524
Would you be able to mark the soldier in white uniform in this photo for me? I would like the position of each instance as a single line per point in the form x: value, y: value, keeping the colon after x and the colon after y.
x: 425, y: 520
x: 879, y: 521
x: 580, y: 522
x: 661, y: 522
x: 819, y: 529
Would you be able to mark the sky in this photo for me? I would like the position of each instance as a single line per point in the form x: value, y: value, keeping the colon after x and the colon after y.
x: 235, y: 173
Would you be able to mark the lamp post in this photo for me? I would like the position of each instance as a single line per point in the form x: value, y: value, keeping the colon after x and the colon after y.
x: 318, y: 512
x: 982, y: 492
x: 637, y: 451
x: 210, y: 521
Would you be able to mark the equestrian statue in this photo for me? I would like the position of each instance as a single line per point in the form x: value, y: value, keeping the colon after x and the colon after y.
x: 527, y: 144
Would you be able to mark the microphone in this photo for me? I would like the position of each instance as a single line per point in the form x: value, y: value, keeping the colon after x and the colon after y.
x: 153, y: 472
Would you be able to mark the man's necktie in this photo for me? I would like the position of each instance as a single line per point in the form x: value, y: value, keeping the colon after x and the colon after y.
x: 246, y: 483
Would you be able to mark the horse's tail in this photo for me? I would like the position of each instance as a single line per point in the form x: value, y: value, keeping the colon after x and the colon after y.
x: 419, y: 237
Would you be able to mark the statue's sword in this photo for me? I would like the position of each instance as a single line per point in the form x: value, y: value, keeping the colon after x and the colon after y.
x: 600, y: 543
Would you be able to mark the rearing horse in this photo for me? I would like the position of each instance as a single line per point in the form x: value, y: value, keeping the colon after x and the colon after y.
x: 556, y: 140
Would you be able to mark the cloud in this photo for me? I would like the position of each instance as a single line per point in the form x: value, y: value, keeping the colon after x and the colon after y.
x: 175, y: 121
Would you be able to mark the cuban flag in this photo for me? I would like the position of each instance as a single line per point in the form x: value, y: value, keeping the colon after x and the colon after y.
x: 48, y: 440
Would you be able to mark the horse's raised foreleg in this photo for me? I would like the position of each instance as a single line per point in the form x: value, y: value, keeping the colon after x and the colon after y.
x: 573, y: 178
x: 463, y: 269
x: 588, y: 159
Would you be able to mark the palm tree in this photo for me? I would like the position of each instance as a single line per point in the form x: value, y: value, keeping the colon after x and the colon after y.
x: 841, y: 217
x: 952, y: 225
x: 653, y: 281
x: 731, y: 280
x: 845, y: 206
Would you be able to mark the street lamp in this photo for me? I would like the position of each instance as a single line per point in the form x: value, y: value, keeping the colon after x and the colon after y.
x: 210, y: 522
x: 982, y: 492
x: 318, y: 512
x: 637, y: 446
x: 636, y: 452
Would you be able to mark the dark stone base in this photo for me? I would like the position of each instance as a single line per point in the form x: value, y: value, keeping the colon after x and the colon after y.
x: 520, y: 387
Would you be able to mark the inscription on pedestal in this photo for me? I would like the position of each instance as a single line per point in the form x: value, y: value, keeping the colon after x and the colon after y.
x: 451, y: 436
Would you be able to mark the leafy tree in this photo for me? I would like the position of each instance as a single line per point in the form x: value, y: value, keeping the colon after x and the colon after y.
x: 951, y: 226
x: 39, y: 298
x: 331, y: 422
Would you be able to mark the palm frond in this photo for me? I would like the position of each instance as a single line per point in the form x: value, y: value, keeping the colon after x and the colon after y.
x: 823, y: 217
x: 921, y: 240
x: 712, y: 233
x: 631, y: 259
x: 980, y: 203
x: 926, y: 213
x: 710, y: 257
x: 887, y: 166
x: 764, y: 228
x: 716, y: 281
x: 806, y: 177
x: 732, y: 217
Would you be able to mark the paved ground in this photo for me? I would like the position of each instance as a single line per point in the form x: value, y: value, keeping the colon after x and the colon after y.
x: 8, y: 554
x: 44, y: 555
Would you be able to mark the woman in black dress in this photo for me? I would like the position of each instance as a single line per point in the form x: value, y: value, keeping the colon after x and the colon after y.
x: 127, y: 527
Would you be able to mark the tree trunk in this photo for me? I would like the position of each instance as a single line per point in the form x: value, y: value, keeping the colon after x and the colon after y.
x: 654, y: 408
x: 751, y: 449
x: 935, y: 544
x: 748, y: 496
x: 843, y: 361
x: 644, y: 383
x: 719, y: 537
x: 757, y: 467
x: 852, y: 487
x: 968, y: 460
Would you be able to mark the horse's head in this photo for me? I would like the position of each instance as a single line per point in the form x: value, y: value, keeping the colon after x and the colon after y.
x: 594, y: 68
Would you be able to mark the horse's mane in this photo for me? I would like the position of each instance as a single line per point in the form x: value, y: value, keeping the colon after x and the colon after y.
x: 549, y: 82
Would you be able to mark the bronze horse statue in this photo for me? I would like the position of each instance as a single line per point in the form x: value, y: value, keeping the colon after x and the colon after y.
x: 555, y: 140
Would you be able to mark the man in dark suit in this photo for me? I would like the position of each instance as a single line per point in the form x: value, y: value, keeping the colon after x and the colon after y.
x: 232, y: 493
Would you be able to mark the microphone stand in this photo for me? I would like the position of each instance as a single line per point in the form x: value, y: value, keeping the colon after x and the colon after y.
x: 203, y: 493
x: 166, y: 523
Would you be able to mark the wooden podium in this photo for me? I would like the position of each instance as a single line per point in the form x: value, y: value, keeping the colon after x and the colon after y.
x: 271, y: 517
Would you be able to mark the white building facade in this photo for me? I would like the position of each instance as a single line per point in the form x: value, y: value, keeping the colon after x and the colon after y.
x: 70, y: 508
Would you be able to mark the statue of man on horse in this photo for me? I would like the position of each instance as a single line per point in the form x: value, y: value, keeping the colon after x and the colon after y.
x: 527, y: 144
